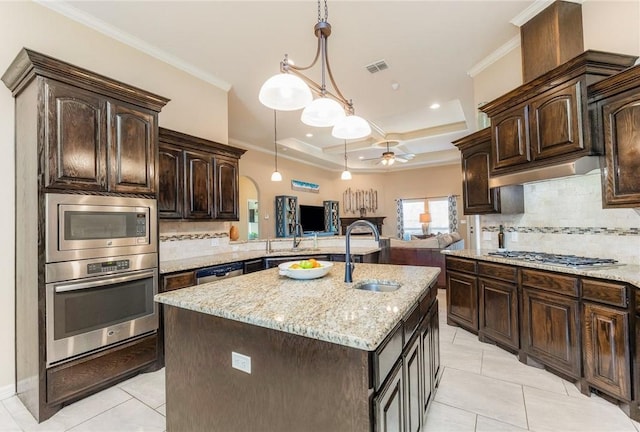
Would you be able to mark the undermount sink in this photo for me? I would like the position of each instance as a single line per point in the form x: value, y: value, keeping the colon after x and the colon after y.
x: 377, y: 286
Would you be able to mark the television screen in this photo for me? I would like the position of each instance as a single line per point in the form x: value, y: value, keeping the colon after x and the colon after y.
x: 312, y: 218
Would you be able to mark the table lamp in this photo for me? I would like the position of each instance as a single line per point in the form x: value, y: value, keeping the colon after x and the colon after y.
x: 425, y: 218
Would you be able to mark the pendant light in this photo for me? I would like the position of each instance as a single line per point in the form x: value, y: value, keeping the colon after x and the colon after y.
x: 276, y: 176
x: 346, y: 175
x: 291, y: 90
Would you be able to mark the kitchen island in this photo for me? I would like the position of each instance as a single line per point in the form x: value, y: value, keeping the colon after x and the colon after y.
x: 320, y: 354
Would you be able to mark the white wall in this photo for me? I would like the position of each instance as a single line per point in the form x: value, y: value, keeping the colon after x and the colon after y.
x: 196, y: 107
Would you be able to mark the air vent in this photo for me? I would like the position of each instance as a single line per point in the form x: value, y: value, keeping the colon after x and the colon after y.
x: 378, y: 66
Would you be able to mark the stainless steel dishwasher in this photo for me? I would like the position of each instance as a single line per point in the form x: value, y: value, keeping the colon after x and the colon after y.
x: 219, y: 272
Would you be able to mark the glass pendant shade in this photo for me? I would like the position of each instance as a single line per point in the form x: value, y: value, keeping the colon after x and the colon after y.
x: 351, y: 127
x: 276, y: 176
x: 346, y: 175
x: 322, y: 112
x: 285, y: 92
x: 391, y: 161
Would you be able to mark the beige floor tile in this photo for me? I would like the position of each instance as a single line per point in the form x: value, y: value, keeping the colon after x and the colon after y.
x: 469, y: 339
x: 7, y: 423
x: 548, y: 411
x: 508, y: 368
x: 148, y: 387
x: 636, y: 424
x: 572, y: 389
x: 499, y: 400
x: 485, y: 424
x: 162, y: 409
x: 444, y: 418
x: 132, y: 415
x: 461, y: 357
x: 70, y: 415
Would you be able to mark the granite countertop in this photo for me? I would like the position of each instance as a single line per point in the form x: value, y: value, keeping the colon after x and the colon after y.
x: 326, y: 309
x: 230, y: 257
x: 629, y: 273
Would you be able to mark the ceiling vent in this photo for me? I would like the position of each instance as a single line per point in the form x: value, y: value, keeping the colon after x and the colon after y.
x: 378, y: 66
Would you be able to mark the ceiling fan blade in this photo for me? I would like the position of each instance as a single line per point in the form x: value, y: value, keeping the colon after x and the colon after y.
x: 401, y: 160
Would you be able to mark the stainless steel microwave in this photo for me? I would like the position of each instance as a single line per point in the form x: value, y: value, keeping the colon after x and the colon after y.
x: 96, y: 226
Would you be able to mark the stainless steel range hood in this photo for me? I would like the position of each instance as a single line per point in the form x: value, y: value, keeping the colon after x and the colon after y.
x: 579, y: 166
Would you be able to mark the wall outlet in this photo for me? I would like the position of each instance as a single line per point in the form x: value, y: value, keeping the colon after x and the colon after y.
x: 514, y: 237
x: 215, y: 242
x: 486, y: 235
x: 241, y: 362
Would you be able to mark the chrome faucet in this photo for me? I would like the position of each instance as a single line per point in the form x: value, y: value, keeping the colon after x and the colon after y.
x: 348, y: 265
x: 296, y: 240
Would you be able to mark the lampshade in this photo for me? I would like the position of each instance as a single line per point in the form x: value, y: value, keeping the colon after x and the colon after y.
x: 351, y: 127
x: 285, y: 92
x: 322, y: 112
x: 425, y: 217
x: 276, y: 176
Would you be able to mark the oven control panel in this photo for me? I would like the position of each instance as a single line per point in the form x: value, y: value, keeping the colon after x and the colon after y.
x: 108, y: 266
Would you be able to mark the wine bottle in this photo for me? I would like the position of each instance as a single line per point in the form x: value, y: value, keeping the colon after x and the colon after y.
x: 501, y: 238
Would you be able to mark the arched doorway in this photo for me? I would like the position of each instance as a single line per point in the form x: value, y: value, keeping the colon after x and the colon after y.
x: 249, y: 224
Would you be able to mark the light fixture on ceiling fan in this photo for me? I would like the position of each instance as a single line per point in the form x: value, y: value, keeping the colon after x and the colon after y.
x: 388, y: 157
x: 291, y: 90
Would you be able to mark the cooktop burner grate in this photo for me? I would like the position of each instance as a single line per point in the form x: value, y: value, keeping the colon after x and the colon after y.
x: 572, y: 261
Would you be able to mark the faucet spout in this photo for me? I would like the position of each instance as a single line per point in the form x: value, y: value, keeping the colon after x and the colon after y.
x: 297, y: 231
x: 349, y: 266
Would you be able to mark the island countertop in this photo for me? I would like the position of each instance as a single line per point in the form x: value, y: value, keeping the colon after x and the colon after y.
x: 629, y: 273
x: 326, y: 309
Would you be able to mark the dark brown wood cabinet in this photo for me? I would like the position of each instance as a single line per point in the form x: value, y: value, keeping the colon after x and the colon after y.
x: 478, y: 197
x: 462, y: 294
x: 551, y: 320
x: 226, y: 188
x: 606, y: 355
x: 76, y: 131
x: 614, y: 103
x: 198, y: 178
x: 556, y: 121
x: 413, y: 371
x: 389, y: 403
x: 545, y: 120
x: 75, y: 135
x: 96, y: 143
x: 498, y: 315
x: 170, y: 181
x: 510, y: 138
x: 378, y: 221
x: 198, y: 185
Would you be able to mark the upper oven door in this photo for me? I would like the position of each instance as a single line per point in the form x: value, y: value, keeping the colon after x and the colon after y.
x: 89, y: 226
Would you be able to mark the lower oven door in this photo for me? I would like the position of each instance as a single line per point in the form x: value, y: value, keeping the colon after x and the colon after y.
x: 87, y: 314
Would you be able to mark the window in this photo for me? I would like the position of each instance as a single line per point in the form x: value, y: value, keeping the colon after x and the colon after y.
x: 437, y: 207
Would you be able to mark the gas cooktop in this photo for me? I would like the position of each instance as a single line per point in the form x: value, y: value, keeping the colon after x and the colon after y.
x: 571, y: 261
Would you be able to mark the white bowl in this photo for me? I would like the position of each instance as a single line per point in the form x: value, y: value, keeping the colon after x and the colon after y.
x: 312, y: 273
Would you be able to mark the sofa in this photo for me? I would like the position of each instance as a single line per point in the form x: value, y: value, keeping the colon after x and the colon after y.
x: 425, y: 252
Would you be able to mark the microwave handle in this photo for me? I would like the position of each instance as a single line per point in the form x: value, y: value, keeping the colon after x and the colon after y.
x: 102, y: 282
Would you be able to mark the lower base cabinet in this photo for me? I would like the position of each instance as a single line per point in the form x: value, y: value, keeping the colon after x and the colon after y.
x: 498, y: 312
x: 606, y: 353
x: 551, y: 334
x: 406, y: 394
x: 462, y: 300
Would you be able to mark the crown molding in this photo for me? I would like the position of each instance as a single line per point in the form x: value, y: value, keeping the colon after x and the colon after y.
x: 65, y: 9
x: 505, y: 49
x: 534, y: 9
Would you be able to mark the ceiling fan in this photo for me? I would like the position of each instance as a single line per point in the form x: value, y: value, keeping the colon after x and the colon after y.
x: 389, y: 158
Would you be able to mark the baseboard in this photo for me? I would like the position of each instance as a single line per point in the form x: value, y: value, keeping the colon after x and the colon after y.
x: 7, y: 391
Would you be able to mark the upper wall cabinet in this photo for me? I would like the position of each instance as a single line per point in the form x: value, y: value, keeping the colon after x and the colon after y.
x: 198, y: 179
x: 545, y: 120
x: 478, y: 198
x: 614, y: 104
x: 99, y: 135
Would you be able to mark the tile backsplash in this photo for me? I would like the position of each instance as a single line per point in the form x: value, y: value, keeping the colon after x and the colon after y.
x: 566, y: 216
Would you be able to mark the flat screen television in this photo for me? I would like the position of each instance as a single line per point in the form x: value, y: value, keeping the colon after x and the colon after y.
x: 312, y: 218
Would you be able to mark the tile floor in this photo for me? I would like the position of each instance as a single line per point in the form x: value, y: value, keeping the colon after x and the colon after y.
x: 483, y: 389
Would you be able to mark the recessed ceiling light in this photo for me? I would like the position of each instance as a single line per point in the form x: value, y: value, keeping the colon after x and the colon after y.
x: 435, y: 106
x: 395, y: 85
x: 309, y: 135
x: 360, y: 157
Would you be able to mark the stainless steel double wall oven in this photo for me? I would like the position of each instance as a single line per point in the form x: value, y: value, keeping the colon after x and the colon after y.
x: 101, y: 272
